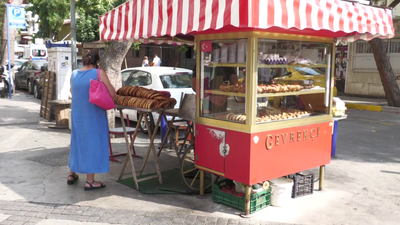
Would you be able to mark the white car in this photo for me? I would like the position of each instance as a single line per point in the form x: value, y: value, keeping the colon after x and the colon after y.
x: 171, y: 79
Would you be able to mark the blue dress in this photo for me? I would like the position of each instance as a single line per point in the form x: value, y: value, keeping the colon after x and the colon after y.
x: 89, y: 128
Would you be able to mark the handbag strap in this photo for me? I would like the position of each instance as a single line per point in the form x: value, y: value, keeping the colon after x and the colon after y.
x: 98, y: 74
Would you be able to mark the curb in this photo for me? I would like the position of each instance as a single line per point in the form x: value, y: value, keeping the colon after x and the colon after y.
x: 375, y: 108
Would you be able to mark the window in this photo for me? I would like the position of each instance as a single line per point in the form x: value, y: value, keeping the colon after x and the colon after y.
x: 125, y: 76
x: 37, y: 65
x: 394, y: 46
x: 136, y: 53
x: 189, y: 53
x: 140, y: 78
x: 39, y: 53
x: 363, y: 47
x: 183, y: 80
x: 24, y: 66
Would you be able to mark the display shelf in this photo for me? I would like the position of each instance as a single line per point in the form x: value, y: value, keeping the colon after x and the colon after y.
x: 290, y: 66
x: 315, y: 90
x: 227, y: 64
x: 265, y: 65
x: 217, y: 92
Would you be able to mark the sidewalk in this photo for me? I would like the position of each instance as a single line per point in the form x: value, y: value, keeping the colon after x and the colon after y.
x: 368, y: 103
x: 33, y: 189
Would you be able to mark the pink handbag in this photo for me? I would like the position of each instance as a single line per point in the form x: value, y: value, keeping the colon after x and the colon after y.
x: 99, y: 95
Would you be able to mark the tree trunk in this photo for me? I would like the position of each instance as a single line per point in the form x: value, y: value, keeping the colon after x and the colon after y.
x: 390, y: 86
x: 110, y: 61
x: 12, y: 40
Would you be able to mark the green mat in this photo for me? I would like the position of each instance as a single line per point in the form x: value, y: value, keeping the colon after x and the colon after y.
x: 172, y: 183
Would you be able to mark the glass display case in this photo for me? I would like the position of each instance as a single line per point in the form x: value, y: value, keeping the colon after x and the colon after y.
x: 288, y: 80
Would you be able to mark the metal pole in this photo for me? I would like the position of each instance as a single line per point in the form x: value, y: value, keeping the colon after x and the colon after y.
x: 247, y: 202
x: 73, y: 36
x: 9, y: 53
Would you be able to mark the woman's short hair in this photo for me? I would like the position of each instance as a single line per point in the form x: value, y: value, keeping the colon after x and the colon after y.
x: 90, y: 57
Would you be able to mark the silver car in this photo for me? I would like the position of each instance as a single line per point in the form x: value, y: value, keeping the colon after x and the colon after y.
x: 171, y: 79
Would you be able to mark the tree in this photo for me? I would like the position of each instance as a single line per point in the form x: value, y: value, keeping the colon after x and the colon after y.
x: 379, y: 49
x: 52, y: 14
x: 88, y: 31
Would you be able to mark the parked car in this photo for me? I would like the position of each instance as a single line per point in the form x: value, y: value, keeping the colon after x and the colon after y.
x: 27, y: 73
x: 171, y: 79
x: 303, y: 73
x: 37, y: 84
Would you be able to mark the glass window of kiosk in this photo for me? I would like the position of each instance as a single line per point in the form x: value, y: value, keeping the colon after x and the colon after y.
x: 293, y: 80
x: 222, y: 81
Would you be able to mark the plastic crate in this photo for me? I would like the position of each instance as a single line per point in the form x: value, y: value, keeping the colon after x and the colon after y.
x: 302, y: 184
x: 258, y: 201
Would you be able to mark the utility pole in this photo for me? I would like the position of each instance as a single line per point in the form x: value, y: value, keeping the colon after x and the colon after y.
x: 73, y: 36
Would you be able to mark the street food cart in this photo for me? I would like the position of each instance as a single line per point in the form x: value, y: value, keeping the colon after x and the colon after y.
x: 254, y: 130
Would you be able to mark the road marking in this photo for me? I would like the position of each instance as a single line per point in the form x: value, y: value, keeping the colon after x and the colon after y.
x: 376, y: 121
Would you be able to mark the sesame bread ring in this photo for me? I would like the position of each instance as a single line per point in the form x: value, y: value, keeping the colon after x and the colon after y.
x: 160, y: 98
x: 131, y: 89
x: 172, y: 102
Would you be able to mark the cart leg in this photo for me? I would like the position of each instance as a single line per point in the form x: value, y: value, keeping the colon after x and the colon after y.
x: 152, y: 148
x: 167, y: 134
x: 201, y: 196
x: 247, y: 195
x: 133, y: 140
x: 321, y: 177
x: 129, y: 155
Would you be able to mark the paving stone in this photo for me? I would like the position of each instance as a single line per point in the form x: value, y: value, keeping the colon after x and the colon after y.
x: 21, y: 213
x: 99, y: 213
x: 23, y: 218
x: 30, y: 223
x: 18, y: 223
x: 72, y: 207
x: 57, y: 216
x: 11, y: 212
x: 87, y: 213
x: 68, y: 212
x: 41, y: 215
x: 93, y: 219
x: 190, y: 218
x: 6, y: 222
x: 222, y: 221
x: 34, y: 220
x: 146, y: 220
x: 211, y: 220
x: 139, y: 213
x: 233, y: 221
x: 136, y: 220
x: 82, y: 218
x: 14, y: 218
x: 179, y: 220
x: 46, y: 210
x: 58, y: 210
x: 60, y: 207
x: 201, y: 218
x: 72, y: 217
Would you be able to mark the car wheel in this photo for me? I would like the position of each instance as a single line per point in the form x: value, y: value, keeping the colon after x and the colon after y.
x: 143, y: 127
x: 30, y: 87
x: 36, y: 92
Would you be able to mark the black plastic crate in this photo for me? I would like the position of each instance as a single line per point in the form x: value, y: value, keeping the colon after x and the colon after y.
x: 302, y: 184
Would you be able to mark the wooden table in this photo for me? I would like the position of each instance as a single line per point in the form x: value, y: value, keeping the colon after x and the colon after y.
x: 151, y: 147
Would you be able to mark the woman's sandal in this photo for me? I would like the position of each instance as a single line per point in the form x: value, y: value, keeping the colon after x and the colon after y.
x: 94, y: 188
x: 70, y: 182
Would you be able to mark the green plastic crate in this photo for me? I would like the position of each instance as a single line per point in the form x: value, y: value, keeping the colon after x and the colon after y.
x: 258, y: 201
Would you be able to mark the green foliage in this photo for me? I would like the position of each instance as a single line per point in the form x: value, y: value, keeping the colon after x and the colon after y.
x: 181, y: 48
x: 87, y: 26
x: 52, y: 14
x: 136, y: 46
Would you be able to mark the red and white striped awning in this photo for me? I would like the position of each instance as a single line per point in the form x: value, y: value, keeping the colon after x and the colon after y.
x: 144, y: 19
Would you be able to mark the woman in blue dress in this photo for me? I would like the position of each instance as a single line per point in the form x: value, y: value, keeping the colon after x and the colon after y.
x: 89, y: 125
